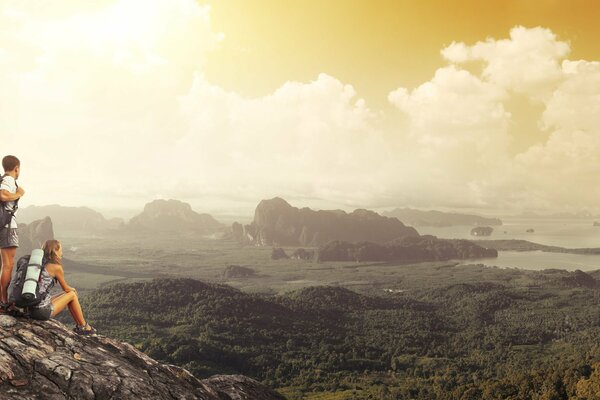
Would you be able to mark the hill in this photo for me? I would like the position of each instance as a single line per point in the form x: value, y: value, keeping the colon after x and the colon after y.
x: 276, y: 222
x: 44, y: 360
x: 418, y: 218
x: 524, y: 334
x: 173, y: 215
x: 70, y: 219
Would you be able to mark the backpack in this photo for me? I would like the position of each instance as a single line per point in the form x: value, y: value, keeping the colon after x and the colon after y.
x: 6, y: 216
x: 27, y: 290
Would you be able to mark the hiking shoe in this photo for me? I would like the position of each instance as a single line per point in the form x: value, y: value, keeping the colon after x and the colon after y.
x: 10, y: 309
x: 86, y: 329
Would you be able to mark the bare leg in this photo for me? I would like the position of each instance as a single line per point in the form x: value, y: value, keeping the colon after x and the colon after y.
x: 68, y: 299
x: 8, y: 260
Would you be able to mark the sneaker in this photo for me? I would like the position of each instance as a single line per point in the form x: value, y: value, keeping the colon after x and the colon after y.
x: 10, y: 309
x: 86, y: 329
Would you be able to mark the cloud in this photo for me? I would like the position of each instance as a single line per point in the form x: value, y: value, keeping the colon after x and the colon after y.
x: 88, y: 95
x: 460, y: 124
x: 458, y: 133
x: 565, y: 169
x: 109, y: 111
x: 304, y: 139
x: 528, y: 62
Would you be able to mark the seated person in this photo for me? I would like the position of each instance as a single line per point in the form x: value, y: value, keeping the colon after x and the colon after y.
x: 50, y: 306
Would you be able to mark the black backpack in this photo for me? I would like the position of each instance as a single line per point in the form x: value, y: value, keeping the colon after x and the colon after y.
x: 19, y: 281
x: 6, y: 216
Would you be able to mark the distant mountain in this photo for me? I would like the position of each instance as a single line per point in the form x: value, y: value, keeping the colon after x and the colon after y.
x: 406, y: 249
x: 81, y: 219
x: 561, y: 215
x: 413, y: 217
x: 173, y: 215
x: 276, y: 222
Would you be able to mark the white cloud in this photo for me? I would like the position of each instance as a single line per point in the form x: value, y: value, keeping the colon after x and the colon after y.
x: 528, y: 62
x: 464, y: 130
x: 110, y: 111
x: 565, y: 169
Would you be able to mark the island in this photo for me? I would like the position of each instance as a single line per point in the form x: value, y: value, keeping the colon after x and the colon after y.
x: 482, y: 231
x: 525, y: 245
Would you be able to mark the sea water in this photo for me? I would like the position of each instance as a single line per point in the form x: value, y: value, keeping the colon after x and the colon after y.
x: 568, y: 233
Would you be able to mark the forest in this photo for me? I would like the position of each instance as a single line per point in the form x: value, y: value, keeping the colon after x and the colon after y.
x: 526, y: 335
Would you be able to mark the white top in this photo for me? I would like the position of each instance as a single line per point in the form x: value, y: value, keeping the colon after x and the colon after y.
x: 9, y: 184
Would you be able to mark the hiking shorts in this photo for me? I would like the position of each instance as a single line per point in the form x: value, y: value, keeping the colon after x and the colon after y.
x: 41, y: 313
x: 8, y: 237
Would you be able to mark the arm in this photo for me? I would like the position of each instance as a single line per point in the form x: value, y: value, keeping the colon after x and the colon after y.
x: 59, y: 274
x: 5, y: 195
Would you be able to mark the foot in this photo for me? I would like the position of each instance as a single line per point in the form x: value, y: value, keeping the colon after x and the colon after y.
x: 10, y: 309
x: 86, y: 329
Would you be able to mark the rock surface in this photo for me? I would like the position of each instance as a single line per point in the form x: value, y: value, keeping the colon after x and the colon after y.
x: 45, y: 360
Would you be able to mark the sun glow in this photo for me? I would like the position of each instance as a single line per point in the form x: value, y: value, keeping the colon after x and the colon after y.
x: 136, y: 34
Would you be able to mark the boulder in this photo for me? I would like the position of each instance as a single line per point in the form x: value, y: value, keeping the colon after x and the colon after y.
x: 45, y: 360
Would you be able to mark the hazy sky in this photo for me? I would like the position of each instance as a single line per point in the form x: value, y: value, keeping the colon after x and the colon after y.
x: 490, y: 105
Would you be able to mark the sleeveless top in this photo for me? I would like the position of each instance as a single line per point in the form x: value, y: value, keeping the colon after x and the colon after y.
x: 46, y: 284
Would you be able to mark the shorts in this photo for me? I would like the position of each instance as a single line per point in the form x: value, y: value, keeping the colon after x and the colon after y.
x: 41, y: 313
x: 8, y: 238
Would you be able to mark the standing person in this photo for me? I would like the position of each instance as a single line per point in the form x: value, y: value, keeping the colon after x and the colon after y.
x: 10, y: 193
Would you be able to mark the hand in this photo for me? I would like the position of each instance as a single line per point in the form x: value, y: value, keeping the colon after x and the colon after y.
x: 20, y: 191
x: 72, y: 290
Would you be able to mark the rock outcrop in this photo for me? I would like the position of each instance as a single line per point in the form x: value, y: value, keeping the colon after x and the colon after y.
x: 482, y: 231
x: 34, y: 235
x: 413, y: 217
x: 277, y: 223
x: 44, y: 360
x: 173, y: 215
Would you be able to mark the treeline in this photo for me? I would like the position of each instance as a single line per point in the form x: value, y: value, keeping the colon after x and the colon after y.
x: 466, y: 341
x: 409, y: 249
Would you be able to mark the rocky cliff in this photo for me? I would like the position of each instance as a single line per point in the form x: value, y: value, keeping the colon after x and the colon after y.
x: 276, y: 222
x: 45, y: 360
x: 33, y: 235
x: 173, y: 215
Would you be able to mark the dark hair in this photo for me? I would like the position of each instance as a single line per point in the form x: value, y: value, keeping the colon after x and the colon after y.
x: 9, y: 163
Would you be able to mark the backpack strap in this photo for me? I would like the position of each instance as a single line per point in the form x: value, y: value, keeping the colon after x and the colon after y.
x: 15, y: 203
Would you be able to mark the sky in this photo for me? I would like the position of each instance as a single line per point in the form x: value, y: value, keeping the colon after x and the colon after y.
x: 492, y: 106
